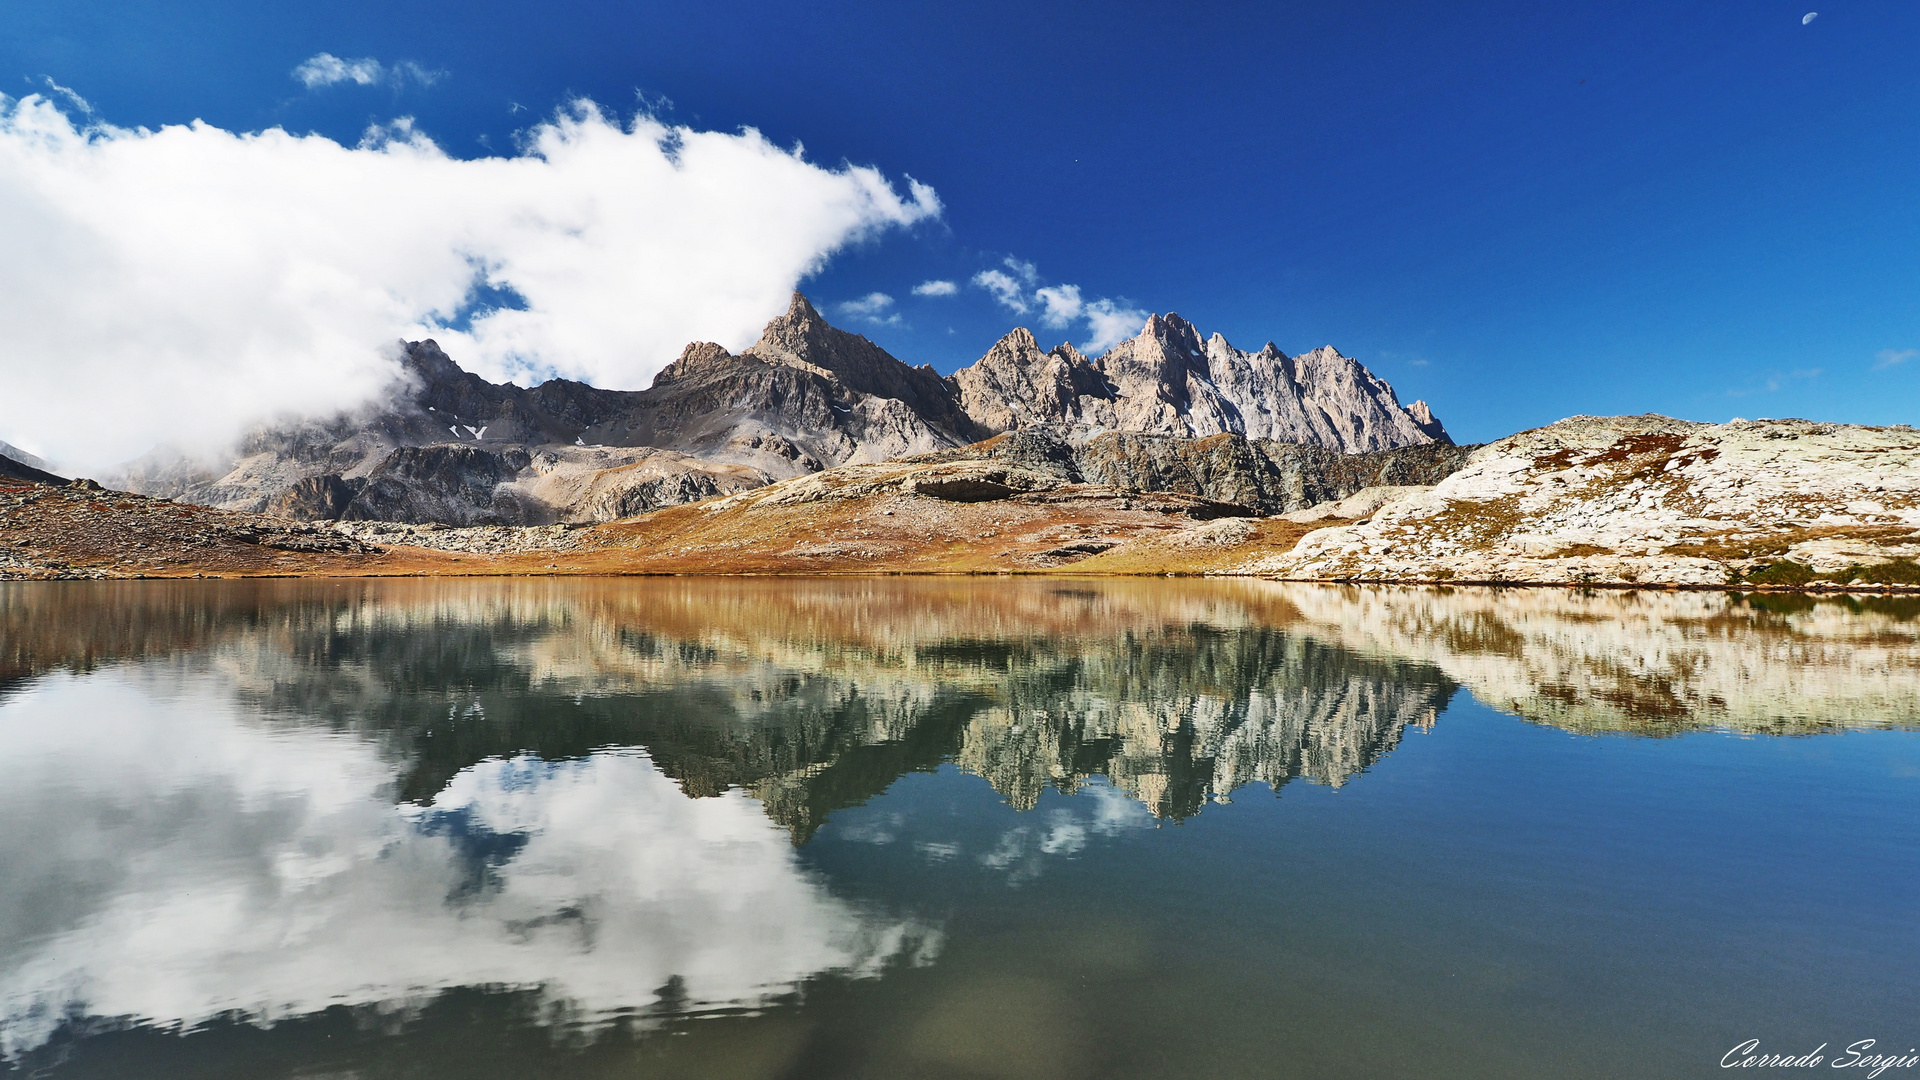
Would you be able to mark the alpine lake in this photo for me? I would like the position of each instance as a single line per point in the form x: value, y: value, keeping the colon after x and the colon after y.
x: 951, y: 828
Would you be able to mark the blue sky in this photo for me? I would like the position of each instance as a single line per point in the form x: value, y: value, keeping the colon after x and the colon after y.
x: 1515, y: 211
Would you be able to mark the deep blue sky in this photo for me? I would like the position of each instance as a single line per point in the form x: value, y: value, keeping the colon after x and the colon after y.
x: 1516, y: 211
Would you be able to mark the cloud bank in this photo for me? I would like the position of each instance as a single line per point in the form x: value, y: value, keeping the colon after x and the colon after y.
x: 193, y: 280
x: 1108, y: 322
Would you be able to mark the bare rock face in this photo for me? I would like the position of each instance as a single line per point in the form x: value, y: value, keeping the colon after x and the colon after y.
x: 315, y: 498
x: 1169, y: 381
x: 1265, y: 476
x: 1017, y: 385
x: 450, y: 484
x: 1272, y: 477
x: 1649, y: 500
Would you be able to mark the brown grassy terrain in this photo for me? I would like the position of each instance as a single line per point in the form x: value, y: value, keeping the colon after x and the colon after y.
x: 74, y: 532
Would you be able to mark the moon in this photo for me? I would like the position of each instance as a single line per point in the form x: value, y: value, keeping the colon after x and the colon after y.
x: 1809, y: 17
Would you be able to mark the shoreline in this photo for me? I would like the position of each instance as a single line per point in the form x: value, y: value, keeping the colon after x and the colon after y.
x: 1063, y: 573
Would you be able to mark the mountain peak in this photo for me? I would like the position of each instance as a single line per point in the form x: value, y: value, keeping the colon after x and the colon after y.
x: 800, y: 308
x: 1019, y: 338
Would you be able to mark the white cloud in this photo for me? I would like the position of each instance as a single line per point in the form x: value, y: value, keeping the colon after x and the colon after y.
x: 1108, y: 322
x: 1004, y: 289
x: 326, y: 69
x: 935, y: 288
x: 1887, y: 358
x: 871, y: 308
x: 191, y: 280
x: 1060, y: 304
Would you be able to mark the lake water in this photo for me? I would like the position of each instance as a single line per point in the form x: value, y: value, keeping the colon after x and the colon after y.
x: 950, y: 828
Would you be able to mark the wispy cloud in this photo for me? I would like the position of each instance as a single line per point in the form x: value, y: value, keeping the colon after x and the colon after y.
x: 1108, y: 322
x: 326, y: 69
x: 68, y: 93
x: 1775, y: 381
x: 1010, y: 291
x: 873, y: 307
x: 935, y: 288
x: 1887, y: 358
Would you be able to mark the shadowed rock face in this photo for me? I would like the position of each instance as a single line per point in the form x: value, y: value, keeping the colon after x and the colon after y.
x: 1265, y: 476
x: 805, y: 397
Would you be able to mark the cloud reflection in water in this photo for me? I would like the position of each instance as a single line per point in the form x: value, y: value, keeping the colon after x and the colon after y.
x: 172, y: 860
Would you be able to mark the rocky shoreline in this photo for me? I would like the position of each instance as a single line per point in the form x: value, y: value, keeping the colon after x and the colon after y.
x: 1648, y: 501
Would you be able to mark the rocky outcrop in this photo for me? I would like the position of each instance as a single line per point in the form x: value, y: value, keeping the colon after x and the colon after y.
x: 451, y: 484
x: 1264, y: 476
x: 804, y: 398
x: 1271, y: 477
x: 1648, y: 500
x: 1170, y: 381
x: 1017, y: 384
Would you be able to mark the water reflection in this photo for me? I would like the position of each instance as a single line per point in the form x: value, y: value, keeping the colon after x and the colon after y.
x: 809, y: 696
x: 173, y: 859
x: 1650, y: 663
x: 266, y: 799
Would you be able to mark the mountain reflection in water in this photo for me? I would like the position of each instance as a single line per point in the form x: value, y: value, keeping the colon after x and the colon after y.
x: 264, y: 799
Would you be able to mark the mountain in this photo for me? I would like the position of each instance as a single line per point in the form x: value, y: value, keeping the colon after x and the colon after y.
x: 448, y: 446
x: 17, y: 464
x: 14, y: 470
x: 1170, y: 381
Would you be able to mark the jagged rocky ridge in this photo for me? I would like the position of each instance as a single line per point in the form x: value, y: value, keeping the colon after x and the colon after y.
x: 451, y: 447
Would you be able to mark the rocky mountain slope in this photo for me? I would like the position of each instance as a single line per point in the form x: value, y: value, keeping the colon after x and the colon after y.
x: 17, y: 464
x: 1647, y: 500
x: 450, y: 447
x: 1169, y: 381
